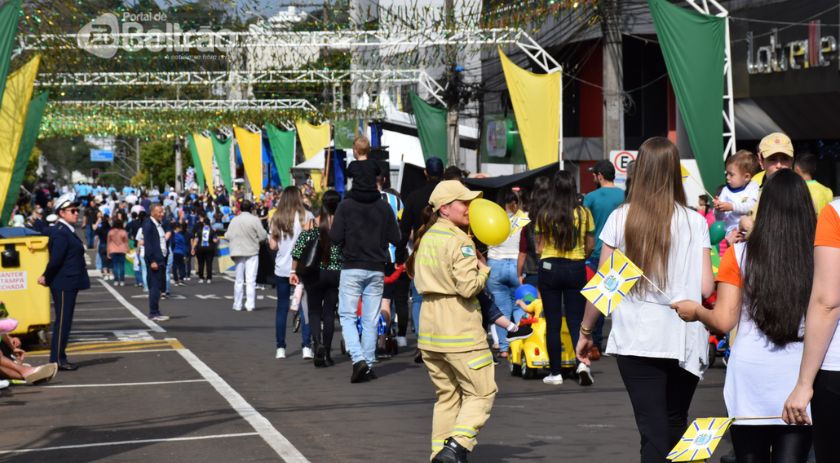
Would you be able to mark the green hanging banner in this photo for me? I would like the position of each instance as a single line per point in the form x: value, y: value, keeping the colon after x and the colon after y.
x: 199, y: 172
x: 283, y: 150
x: 431, y: 128
x: 27, y: 142
x: 221, y: 152
x: 345, y: 133
x: 693, y: 47
x: 9, y: 16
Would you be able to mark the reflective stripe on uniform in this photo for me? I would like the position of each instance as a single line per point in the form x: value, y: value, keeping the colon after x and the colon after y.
x: 437, y: 444
x: 466, y: 431
x: 440, y: 232
x: 447, y: 341
x: 481, y: 361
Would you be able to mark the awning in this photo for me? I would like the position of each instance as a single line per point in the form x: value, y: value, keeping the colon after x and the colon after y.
x: 525, y: 179
x: 752, y: 123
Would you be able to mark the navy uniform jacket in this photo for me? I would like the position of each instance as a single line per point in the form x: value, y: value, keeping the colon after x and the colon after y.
x: 66, y: 268
x: 151, y: 243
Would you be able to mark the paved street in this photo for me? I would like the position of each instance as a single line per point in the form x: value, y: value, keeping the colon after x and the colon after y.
x: 205, y: 386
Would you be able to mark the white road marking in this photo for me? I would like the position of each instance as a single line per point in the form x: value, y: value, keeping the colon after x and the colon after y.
x: 134, y: 311
x: 264, y: 428
x: 232, y: 280
x: 273, y: 297
x: 102, y: 319
x: 127, y: 442
x: 207, y: 296
x: 149, y: 383
x: 133, y: 335
x: 99, y: 309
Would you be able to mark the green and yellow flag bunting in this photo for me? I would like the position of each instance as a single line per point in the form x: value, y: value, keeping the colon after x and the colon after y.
x: 9, y: 17
x: 221, y: 152
x: 250, y: 146
x: 313, y: 138
x: 283, y: 150
x: 345, y: 133
x: 431, y: 128
x: 16, y: 98
x: 536, y: 104
x: 31, y: 128
x: 204, y: 150
x: 199, y: 172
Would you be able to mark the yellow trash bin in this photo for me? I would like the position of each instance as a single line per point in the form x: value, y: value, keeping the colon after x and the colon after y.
x: 22, y: 260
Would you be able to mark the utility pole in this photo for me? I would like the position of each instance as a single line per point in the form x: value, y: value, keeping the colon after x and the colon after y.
x: 137, y: 154
x: 613, y: 78
x: 452, y: 137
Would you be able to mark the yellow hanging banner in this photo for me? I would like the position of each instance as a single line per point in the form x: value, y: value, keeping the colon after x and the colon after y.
x: 250, y: 147
x: 12, y: 118
x: 204, y: 147
x: 536, y: 104
x: 313, y: 138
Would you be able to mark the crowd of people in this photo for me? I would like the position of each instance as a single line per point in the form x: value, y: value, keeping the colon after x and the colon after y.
x: 372, y: 255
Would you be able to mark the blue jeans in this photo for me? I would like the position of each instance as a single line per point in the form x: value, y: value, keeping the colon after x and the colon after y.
x: 367, y: 285
x: 89, y: 235
x: 144, y: 273
x: 416, y: 302
x: 284, y: 292
x: 118, y: 262
x: 502, y: 284
x: 169, y: 261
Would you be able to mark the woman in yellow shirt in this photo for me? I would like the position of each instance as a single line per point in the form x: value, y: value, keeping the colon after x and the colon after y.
x: 565, y: 238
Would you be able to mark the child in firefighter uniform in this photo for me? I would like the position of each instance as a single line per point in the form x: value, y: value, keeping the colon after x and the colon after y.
x: 452, y: 339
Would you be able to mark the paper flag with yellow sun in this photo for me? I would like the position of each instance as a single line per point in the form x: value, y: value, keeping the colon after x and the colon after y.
x: 700, y: 440
x: 518, y: 221
x: 611, y: 283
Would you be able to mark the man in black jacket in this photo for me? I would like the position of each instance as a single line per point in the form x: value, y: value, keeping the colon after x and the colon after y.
x: 363, y: 229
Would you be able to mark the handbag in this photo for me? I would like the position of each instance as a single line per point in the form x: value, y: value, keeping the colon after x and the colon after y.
x: 310, y: 258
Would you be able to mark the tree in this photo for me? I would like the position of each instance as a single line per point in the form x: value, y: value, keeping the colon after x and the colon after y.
x: 157, y: 164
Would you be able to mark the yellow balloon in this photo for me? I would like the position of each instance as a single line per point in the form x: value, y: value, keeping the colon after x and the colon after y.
x: 489, y: 222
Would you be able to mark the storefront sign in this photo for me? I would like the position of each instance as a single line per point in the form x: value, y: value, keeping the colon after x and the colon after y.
x: 813, y: 52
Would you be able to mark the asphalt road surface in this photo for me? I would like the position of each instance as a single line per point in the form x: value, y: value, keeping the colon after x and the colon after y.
x: 205, y: 386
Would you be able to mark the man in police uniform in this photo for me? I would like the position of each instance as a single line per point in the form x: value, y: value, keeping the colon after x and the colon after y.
x: 65, y: 274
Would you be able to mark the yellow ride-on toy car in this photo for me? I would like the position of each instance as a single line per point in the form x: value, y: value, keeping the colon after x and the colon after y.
x: 529, y: 357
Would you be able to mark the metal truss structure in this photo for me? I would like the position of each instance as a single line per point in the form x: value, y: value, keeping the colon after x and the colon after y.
x: 196, y: 105
x: 713, y: 8
x: 226, y: 40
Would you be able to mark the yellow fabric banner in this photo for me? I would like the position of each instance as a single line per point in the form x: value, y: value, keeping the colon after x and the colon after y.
x: 204, y: 147
x: 250, y: 147
x: 12, y: 118
x: 536, y: 104
x: 313, y: 138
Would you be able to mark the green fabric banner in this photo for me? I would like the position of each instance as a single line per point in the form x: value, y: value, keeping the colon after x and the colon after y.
x: 199, y: 172
x: 345, y: 133
x: 30, y: 133
x: 283, y: 150
x: 693, y: 47
x: 221, y: 152
x: 9, y: 16
x: 431, y: 128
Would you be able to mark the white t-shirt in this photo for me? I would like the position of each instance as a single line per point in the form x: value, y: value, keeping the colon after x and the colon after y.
x: 760, y: 374
x: 645, y: 325
x: 509, y: 249
x: 283, y: 261
x: 742, y: 203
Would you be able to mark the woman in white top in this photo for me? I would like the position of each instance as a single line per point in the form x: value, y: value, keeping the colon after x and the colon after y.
x: 819, y: 374
x: 763, y: 288
x: 289, y: 220
x: 503, y: 280
x: 660, y: 357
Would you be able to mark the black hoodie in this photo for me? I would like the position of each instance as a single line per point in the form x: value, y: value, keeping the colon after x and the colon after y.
x: 364, y: 229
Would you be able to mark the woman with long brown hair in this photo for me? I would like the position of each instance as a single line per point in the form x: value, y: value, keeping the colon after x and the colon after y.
x: 290, y: 219
x: 660, y: 357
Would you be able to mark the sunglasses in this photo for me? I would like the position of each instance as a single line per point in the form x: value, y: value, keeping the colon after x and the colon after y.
x: 72, y: 210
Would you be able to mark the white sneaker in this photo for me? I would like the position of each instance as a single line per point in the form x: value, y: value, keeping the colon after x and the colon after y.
x: 200, y: 280
x: 249, y: 309
x: 307, y: 353
x: 585, y: 377
x: 553, y: 379
x: 401, y: 341
x: 281, y: 353
x: 209, y: 281
x: 237, y: 309
x: 4, y: 383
